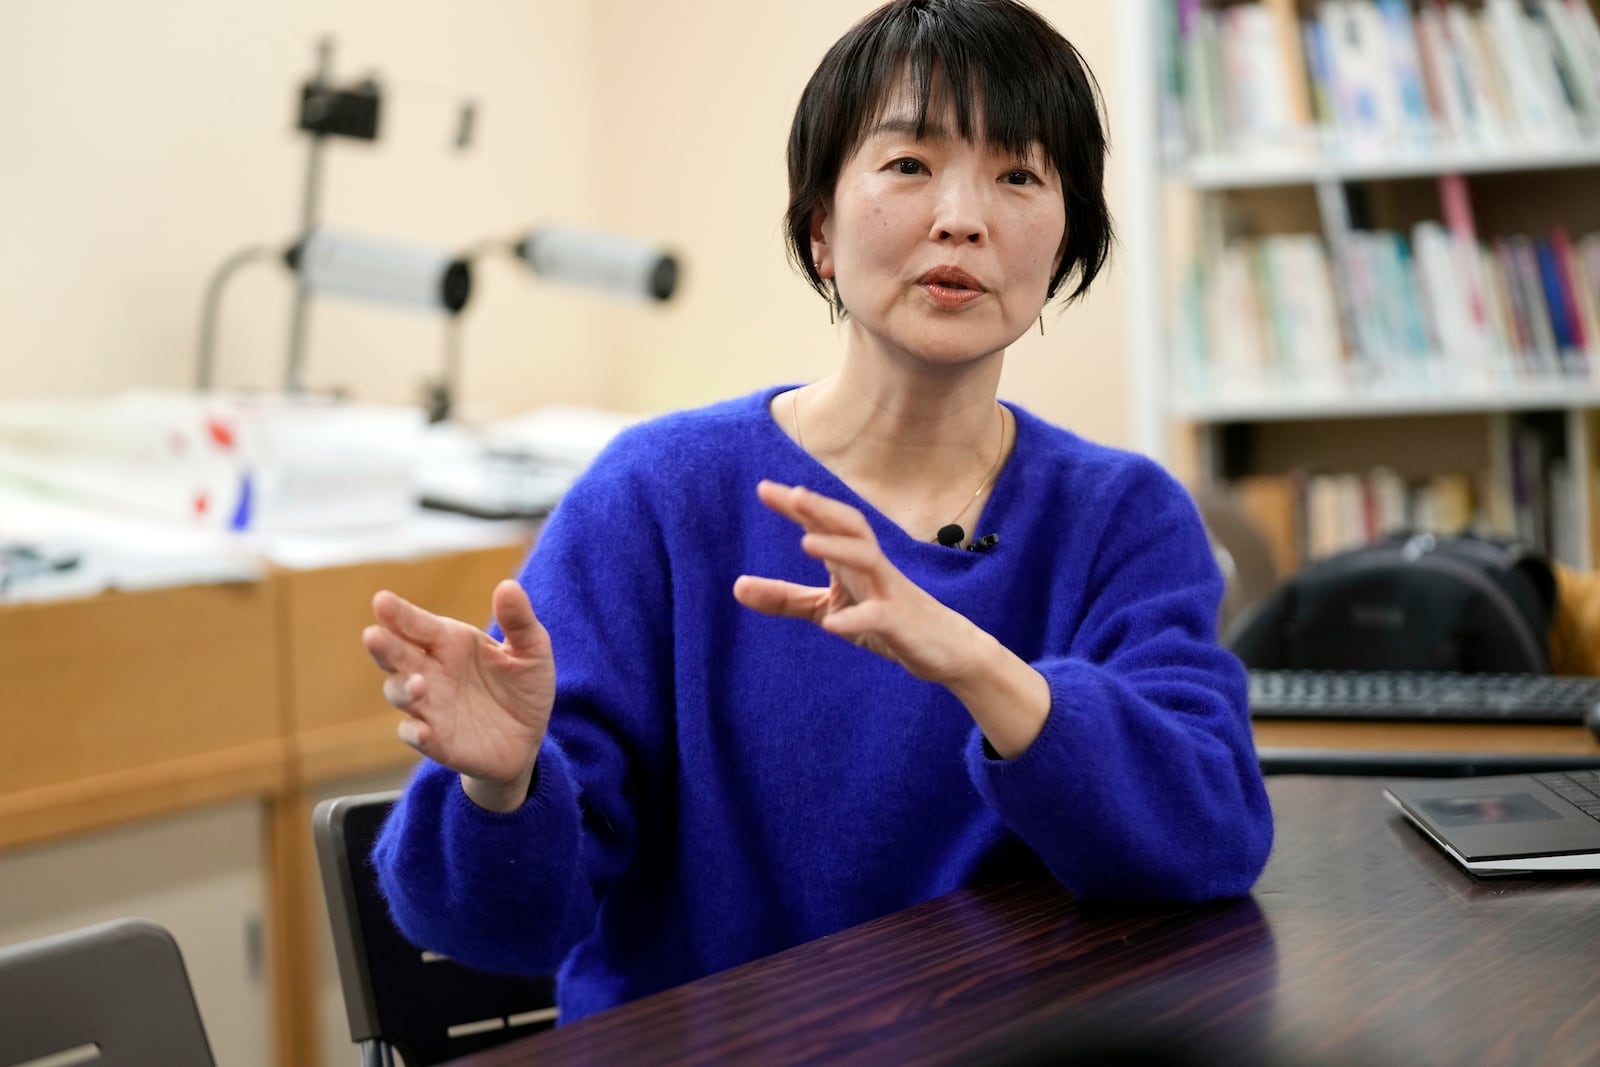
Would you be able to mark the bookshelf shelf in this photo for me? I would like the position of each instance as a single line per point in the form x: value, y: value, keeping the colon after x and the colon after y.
x: 1217, y: 172
x: 1285, y: 404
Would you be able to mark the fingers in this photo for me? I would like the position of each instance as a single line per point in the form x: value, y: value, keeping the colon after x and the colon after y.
x: 405, y: 691
x: 406, y: 619
x: 524, y: 634
x: 773, y: 597
x: 817, y: 513
x: 856, y: 621
x: 391, y: 652
x: 415, y: 733
x: 842, y: 550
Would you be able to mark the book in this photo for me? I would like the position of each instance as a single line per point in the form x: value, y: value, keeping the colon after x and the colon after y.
x: 1202, y: 89
x: 1456, y: 206
x: 1496, y: 94
x: 1586, y: 294
x: 1356, y: 73
x: 1285, y: 21
x: 1562, y: 84
x: 1320, y: 346
x: 1272, y: 501
x: 1578, y: 70
x: 1440, y: 286
x: 1234, y: 320
x: 1550, y: 286
x: 1405, y: 67
x: 1258, y: 86
x: 1586, y: 36
x: 1523, y: 273
x: 1325, y: 512
x: 1453, y: 501
x: 1430, y: 66
x: 1479, y: 85
x: 1318, y: 73
x: 1561, y: 254
x: 1389, y: 497
x: 1524, y: 342
x: 1523, y: 61
x: 1410, y: 299
x: 1169, y: 62
x: 1507, y: 341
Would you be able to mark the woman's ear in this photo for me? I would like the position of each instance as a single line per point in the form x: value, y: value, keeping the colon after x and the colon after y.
x: 821, y: 246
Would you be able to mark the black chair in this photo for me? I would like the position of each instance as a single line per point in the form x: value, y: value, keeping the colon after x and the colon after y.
x: 400, y: 998
x: 116, y: 994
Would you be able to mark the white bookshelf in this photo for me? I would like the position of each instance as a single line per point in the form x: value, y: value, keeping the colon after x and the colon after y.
x: 1287, y: 403
x: 1263, y: 168
x: 1320, y: 163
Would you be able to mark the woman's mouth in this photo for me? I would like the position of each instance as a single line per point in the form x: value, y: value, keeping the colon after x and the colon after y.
x: 950, y: 287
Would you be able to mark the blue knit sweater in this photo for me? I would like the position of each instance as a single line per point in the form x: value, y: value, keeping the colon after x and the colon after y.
x: 718, y: 785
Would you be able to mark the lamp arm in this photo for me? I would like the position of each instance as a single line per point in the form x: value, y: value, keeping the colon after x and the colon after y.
x: 205, y: 364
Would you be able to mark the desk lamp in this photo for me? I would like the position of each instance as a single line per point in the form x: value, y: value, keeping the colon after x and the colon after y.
x: 611, y: 264
x: 347, y: 265
x: 337, y: 263
x: 328, y: 262
x: 334, y: 263
x: 615, y: 265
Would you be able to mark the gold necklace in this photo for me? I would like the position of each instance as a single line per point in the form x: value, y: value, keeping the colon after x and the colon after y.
x: 999, y: 454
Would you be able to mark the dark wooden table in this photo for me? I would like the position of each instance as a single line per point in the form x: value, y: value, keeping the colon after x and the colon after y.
x: 1361, y: 945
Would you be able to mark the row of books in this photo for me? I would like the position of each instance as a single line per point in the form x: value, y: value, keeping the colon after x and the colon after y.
x: 1378, y: 74
x: 1306, y: 516
x: 1429, y: 307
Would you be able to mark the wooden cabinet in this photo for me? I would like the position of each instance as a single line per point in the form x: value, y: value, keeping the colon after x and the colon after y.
x: 165, y: 750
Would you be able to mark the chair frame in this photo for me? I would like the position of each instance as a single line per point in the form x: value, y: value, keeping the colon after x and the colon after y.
x: 119, y: 987
x: 399, y: 998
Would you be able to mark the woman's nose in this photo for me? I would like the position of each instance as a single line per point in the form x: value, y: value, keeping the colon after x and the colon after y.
x: 959, y: 212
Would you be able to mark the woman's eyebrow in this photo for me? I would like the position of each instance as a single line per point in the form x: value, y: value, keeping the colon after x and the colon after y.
x: 934, y: 130
x: 927, y: 131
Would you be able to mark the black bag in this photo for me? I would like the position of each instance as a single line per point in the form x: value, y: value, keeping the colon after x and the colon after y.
x: 1409, y: 601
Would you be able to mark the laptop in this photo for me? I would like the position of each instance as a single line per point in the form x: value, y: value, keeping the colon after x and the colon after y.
x: 1509, y: 824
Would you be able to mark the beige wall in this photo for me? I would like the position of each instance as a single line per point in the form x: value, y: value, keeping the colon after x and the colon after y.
x: 144, y: 141
x: 155, y: 139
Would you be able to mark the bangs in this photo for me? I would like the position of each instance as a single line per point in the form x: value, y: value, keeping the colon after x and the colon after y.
x: 942, y: 77
x: 993, y: 72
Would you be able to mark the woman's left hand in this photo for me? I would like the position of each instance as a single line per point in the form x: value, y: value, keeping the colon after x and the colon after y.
x: 867, y: 600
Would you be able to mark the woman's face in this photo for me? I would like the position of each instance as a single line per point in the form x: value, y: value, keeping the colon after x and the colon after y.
x: 942, y: 249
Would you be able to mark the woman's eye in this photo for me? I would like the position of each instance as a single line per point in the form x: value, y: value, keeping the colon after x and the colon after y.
x: 907, y: 166
x: 1019, y: 177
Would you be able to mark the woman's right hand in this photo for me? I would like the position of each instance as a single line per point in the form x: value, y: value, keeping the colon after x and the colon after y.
x: 474, y: 704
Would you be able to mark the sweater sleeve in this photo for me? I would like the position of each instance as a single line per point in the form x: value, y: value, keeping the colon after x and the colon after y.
x: 515, y: 892
x: 1144, y: 780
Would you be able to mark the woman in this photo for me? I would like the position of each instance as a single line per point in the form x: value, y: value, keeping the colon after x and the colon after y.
x: 767, y: 694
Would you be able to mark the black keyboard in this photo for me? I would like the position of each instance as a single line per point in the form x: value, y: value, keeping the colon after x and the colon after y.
x: 1400, y: 696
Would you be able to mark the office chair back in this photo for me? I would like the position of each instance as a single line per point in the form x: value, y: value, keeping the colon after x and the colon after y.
x: 399, y: 998
x: 113, y: 995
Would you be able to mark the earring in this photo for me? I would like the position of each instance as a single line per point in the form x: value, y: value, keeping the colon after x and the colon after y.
x: 1041, y: 324
x: 830, y: 312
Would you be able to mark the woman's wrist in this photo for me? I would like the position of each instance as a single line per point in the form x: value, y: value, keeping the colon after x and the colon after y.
x: 1007, y: 698
x: 498, y: 796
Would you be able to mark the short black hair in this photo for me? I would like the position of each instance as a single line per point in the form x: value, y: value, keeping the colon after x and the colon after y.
x: 994, y: 56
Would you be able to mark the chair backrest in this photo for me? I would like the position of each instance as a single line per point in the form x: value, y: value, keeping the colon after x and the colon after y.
x: 114, y: 995
x: 396, y: 995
